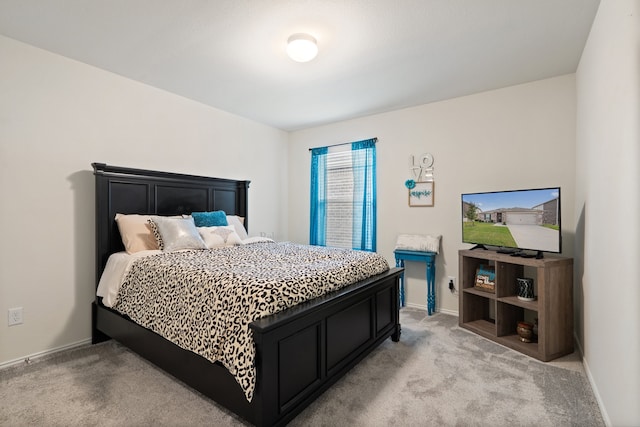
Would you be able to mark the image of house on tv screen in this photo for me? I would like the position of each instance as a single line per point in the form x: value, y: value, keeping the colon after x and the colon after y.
x: 522, y: 219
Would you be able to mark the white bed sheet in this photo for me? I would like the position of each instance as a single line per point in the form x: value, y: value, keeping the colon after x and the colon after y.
x: 117, y: 267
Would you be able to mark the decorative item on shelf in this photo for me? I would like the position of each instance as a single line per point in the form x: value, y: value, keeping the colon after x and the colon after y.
x: 525, y: 289
x: 486, y: 278
x: 525, y: 331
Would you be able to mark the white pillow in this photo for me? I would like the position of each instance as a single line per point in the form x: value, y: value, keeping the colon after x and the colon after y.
x: 135, y: 232
x: 238, y: 223
x: 223, y: 235
x: 178, y: 233
x: 418, y: 242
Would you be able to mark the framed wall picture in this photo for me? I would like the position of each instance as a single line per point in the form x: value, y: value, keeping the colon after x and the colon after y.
x: 421, y: 194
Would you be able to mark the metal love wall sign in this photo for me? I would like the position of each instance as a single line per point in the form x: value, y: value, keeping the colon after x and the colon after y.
x: 421, y: 167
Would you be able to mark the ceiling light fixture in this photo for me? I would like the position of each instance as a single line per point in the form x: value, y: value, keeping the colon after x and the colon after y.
x: 302, y: 47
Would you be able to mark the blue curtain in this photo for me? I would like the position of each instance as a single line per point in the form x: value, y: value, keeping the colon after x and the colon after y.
x: 363, y: 154
x: 363, y: 162
x: 317, y: 234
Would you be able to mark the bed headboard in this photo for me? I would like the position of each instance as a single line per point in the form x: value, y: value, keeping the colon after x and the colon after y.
x: 139, y: 191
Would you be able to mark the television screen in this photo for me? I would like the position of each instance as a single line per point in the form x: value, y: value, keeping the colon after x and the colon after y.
x: 515, y: 219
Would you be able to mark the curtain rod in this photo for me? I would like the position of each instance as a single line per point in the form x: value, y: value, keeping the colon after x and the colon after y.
x: 346, y: 143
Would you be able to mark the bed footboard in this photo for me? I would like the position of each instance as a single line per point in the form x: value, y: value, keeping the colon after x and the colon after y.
x: 302, y: 351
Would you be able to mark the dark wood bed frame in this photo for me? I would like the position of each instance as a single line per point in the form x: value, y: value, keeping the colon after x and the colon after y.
x: 300, y: 352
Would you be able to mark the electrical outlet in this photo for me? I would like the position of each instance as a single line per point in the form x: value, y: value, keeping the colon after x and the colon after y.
x: 15, y: 316
x: 451, y: 282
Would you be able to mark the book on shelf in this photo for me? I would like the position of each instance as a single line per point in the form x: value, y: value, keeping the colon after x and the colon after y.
x: 486, y: 278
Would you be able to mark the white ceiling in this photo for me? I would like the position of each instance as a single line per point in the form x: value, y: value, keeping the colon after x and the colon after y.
x: 375, y: 55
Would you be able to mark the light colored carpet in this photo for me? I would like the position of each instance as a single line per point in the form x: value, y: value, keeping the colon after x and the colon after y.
x: 437, y: 375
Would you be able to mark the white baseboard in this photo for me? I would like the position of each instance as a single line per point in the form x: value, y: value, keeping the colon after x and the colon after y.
x: 594, y: 388
x: 41, y: 354
x: 424, y: 307
x: 418, y: 306
x: 603, y: 411
x: 445, y: 311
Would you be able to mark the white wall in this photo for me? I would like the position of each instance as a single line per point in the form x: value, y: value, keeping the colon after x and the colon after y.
x: 56, y: 117
x: 517, y: 137
x: 607, y: 207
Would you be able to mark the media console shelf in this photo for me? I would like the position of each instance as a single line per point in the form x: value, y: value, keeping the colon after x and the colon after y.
x: 495, y: 315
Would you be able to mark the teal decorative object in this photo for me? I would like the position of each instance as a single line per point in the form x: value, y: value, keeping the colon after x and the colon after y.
x: 410, y: 184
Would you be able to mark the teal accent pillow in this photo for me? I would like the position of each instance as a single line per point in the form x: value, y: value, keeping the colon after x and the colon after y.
x: 210, y: 219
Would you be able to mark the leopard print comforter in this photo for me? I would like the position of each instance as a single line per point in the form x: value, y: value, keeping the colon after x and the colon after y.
x: 204, y: 300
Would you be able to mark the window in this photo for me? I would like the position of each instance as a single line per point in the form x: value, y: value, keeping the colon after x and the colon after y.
x: 343, y: 196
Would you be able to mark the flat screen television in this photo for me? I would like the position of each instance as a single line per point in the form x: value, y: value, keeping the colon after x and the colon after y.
x: 514, y: 221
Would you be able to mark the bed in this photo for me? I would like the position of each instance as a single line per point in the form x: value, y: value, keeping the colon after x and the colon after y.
x: 299, y: 352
